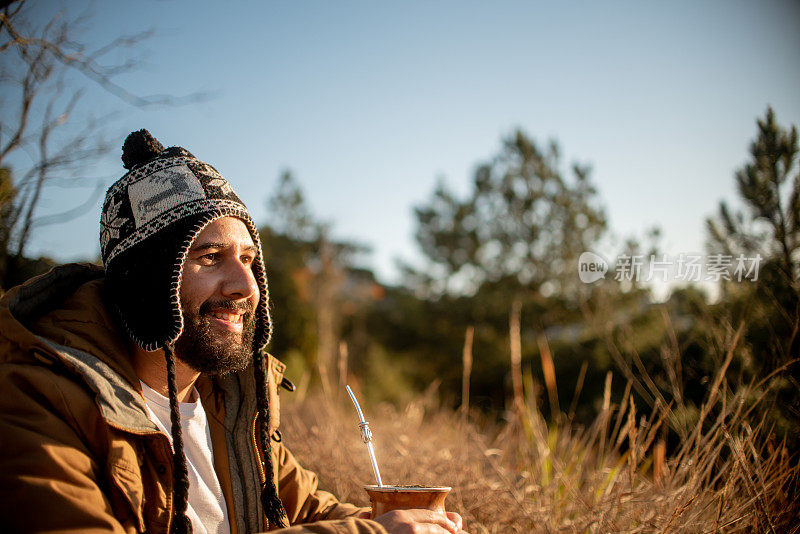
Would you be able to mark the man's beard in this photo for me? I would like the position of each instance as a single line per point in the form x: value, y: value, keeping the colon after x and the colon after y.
x: 205, y: 352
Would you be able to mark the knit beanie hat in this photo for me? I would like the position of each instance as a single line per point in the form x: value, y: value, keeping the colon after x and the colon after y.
x: 150, y: 218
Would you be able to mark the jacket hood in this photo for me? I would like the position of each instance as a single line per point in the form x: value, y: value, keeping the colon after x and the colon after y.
x: 67, y: 307
x: 61, y: 318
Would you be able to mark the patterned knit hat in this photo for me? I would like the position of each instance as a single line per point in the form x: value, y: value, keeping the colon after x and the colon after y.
x: 150, y: 218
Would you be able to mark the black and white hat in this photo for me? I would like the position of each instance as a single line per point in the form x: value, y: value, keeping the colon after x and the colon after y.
x: 150, y: 218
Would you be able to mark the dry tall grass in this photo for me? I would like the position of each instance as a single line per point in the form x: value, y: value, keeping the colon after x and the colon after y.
x: 525, y: 474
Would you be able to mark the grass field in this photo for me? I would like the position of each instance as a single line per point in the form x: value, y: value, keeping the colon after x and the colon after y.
x: 524, y: 474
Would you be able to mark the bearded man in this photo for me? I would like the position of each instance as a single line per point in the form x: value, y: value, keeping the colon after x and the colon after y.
x: 138, y: 397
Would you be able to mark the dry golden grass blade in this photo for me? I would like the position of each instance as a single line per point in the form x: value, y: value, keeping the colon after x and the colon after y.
x: 718, y: 378
x: 653, y: 425
x: 659, y: 461
x: 578, y: 388
x: 466, y: 360
x: 342, y: 367
x: 747, y: 477
x: 605, y: 415
x: 671, y: 356
x: 549, y: 372
x: 515, y: 346
x: 617, y: 436
x: 302, y: 387
x: 632, y: 441
x: 654, y: 392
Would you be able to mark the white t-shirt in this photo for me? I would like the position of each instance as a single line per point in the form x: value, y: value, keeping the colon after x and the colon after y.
x: 207, y: 510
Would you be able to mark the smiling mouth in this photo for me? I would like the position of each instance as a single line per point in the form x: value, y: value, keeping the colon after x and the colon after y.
x: 230, y: 320
x: 230, y: 317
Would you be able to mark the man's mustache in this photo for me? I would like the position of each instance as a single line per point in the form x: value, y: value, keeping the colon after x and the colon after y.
x: 221, y: 304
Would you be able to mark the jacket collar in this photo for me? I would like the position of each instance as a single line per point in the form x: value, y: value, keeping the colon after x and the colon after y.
x: 67, y: 306
x: 61, y: 317
x: 121, y: 405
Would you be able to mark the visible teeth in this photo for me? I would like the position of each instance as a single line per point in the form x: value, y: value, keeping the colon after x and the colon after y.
x: 230, y: 317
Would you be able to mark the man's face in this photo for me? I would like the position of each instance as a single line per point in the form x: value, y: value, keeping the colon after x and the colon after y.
x: 219, y: 296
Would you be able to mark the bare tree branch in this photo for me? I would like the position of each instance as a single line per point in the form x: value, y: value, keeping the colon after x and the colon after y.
x: 70, y: 214
x: 43, y: 121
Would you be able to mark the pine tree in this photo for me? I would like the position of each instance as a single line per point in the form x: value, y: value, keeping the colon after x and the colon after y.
x: 769, y: 186
x: 522, y: 227
x: 769, y: 226
x: 772, y: 197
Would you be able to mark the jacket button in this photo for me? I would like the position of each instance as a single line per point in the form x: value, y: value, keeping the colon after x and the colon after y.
x: 287, y: 384
x: 162, y: 469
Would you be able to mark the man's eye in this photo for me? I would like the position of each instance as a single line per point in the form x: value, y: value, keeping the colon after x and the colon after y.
x: 247, y: 260
x: 210, y: 258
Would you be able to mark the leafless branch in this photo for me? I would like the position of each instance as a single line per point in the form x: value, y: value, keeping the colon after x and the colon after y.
x: 71, y: 213
x: 42, y: 117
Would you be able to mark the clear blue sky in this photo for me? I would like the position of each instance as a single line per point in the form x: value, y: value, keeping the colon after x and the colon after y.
x: 370, y: 103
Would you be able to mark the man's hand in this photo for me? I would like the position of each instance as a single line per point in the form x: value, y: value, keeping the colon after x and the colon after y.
x: 420, y: 522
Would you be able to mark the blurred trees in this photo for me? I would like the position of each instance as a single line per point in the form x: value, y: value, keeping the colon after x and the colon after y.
x: 314, y: 282
x: 14, y: 268
x: 399, y: 342
x: 523, y: 226
x: 515, y: 238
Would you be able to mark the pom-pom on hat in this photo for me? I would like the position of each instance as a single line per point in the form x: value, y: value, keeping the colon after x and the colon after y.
x: 150, y: 218
x: 140, y: 147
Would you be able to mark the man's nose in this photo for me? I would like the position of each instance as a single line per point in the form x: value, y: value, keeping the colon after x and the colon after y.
x: 239, y: 280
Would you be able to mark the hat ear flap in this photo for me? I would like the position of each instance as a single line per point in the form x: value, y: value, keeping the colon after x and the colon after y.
x: 143, y: 283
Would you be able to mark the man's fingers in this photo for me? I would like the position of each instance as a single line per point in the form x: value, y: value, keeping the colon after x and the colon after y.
x: 436, y: 518
x: 456, y: 519
x: 403, y: 521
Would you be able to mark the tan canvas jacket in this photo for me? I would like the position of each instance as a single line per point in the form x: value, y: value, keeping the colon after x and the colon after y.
x: 78, y: 452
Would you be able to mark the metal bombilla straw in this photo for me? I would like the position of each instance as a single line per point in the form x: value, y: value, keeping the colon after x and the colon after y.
x: 366, y: 437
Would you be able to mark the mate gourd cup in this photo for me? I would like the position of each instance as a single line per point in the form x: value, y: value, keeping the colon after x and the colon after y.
x: 387, y: 498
